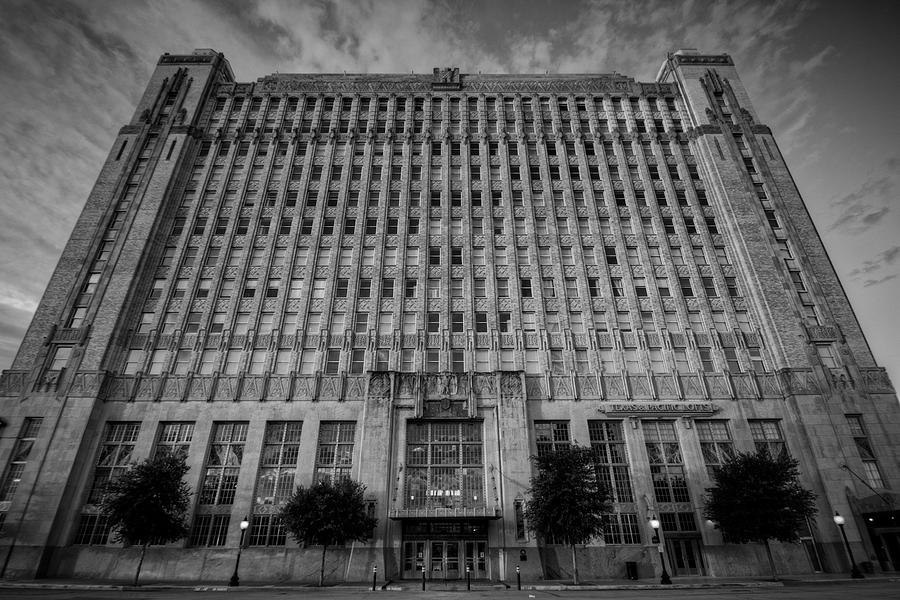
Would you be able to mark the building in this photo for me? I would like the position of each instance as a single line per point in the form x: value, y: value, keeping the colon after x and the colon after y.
x: 418, y: 281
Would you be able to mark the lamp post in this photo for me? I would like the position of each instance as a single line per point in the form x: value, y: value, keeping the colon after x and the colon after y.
x: 664, y: 579
x: 374, y: 576
x: 518, y: 578
x: 235, y: 580
x: 855, y: 573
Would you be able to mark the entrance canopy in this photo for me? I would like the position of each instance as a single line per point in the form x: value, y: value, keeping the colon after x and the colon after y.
x: 480, y: 512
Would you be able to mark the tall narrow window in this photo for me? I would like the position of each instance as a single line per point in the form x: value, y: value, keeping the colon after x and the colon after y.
x: 767, y: 435
x: 19, y: 458
x: 715, y: 443
x: 223, y: 463
x: 864, y: 447
x: 666, y: 462
x: 274, y: 481
x: 608, y: 442
x: 334, y: 455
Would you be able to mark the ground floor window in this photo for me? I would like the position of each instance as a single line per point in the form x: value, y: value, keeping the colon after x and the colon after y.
x: 209, y: 530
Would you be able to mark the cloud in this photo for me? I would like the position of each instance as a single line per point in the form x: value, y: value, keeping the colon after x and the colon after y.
x: 871, y: 282
x: 871, y: 202
x: 876, y: 265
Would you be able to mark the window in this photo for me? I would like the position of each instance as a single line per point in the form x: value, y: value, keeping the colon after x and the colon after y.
x: 209, y: 530
x: 767, y: 435
x: 608, y: 443
x: 666, y: 463
x: 864, y: 447
x: 827, y: 356
x: 280, y: 456
x: 445, y: 465
x: 174, y: 438
x: 223, y: 463
x: 334, y: 454
x: 715, y: 443
x: 19, y: 457
x: 551, y: 436
x: 332, y: 360
x: 60, y: 358
x: 525, y: 288
x: 114, y: 456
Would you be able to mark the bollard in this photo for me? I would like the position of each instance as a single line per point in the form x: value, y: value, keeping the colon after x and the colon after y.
x: 423, y: 578
x: 468, y: 581
x: 518, y: 578
x: 374, y: 576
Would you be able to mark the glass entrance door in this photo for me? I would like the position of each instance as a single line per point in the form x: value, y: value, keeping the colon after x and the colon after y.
x: 444, y: 559
x: 684, y: 556
x: 476, y: 559
x: 413, y: 559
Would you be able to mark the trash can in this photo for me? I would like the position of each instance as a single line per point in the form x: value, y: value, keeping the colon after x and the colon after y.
x: 631, y: 570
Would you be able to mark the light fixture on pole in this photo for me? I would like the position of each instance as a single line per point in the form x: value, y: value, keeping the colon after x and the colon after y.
x: 235, y: 580
x: 855, y: 573
x: 657, y: 539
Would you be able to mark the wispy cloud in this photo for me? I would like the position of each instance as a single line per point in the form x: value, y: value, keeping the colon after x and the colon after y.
x: 871, y: 202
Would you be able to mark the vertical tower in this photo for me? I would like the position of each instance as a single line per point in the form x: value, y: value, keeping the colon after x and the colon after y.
x: 75, y: 335
x: 841, y: 402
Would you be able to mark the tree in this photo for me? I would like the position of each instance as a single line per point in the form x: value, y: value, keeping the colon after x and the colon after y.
x: 328, y: 513
x: 567, y: 499
x: 148, y: 504
x: 758, y: 497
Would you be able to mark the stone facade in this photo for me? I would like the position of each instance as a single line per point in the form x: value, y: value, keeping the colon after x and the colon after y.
x: 419, y: 281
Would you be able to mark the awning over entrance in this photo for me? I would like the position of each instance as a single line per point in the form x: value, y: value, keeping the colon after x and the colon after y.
x: 883, y: 501
x: 445, y: 513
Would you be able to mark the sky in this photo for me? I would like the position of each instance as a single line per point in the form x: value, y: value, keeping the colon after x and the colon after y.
x: 822, y: 75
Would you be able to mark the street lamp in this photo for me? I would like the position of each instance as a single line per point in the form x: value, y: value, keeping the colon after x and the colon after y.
x: 664, y: 579
x: 235, y: 580
x: 855, y: 573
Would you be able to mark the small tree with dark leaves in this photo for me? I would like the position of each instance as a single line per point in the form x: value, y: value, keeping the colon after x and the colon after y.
x: 148, y: 503
x: 328, y: 513
x: 758, y: 497
x: 567, y: 499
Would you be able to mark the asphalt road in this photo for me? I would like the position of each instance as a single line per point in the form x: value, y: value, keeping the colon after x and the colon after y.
x: 832, y: 591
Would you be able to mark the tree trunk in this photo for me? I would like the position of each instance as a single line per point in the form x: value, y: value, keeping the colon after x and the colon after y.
x: 771, y: 561
x: 322, y: 566
x: 574, y: 567
x: 137, y: 573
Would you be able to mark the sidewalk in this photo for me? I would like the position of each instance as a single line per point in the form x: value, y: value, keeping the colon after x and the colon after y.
x: 458, y: 585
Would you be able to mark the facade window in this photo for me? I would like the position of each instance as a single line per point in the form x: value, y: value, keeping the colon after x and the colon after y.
x: 114, y: 457
x: 550, y: 436
x: 19, y: 457
x: 622, y: 528
x: 92, y: 530
x: 334, y: 454
x: 870, y: 462
x: 666, y: 463
x: 608, y: 443
x: 278, y: 465
x: 715, y: 443
x: 209, y: 530
x: 767, y: 435
x: 174, y: 438
x: 445, y: 465
x: 223, y: 463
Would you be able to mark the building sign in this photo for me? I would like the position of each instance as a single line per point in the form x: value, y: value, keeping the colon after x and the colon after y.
x: 660, y: 408
x: 444, y: 493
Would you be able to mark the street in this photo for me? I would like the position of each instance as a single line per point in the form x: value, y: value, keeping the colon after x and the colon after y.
x: 874, y: 590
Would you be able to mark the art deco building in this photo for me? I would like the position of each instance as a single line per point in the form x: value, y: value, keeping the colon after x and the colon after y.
x: 418, y: 282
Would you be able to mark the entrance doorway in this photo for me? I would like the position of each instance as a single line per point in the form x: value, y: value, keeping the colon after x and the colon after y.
x: 685, y: 555
x: 445, y: 559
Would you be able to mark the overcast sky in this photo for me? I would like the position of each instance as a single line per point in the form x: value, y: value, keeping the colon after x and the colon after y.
x: 822, y: 75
